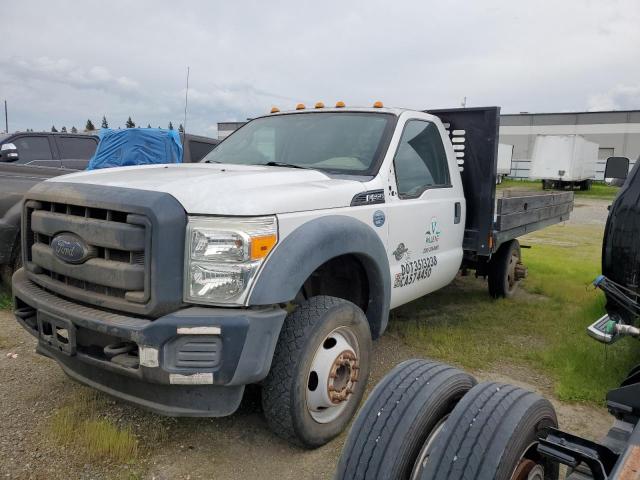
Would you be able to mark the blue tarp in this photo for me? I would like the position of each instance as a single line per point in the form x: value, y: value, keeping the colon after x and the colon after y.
x: 136, y: 146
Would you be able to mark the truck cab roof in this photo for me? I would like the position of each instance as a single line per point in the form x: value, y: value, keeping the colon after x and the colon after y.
x: 391, y: 110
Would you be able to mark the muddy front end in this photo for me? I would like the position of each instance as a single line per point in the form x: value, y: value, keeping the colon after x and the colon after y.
x: 101, y: 290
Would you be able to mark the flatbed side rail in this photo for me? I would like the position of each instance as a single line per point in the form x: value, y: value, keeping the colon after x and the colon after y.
x: 520, y: 214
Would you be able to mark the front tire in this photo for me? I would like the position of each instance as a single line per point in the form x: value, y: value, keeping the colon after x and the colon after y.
x: 493, y: 433
x: 319, y: 371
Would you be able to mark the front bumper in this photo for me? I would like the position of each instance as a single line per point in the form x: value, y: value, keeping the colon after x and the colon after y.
x: 193, y: 362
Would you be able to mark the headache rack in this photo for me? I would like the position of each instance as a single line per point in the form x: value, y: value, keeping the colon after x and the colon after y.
x: 474, y: 135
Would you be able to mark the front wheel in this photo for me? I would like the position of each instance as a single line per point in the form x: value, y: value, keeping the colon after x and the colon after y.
x: 319, y: 371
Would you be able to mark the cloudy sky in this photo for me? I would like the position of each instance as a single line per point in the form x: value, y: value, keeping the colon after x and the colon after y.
x: 63, y: 62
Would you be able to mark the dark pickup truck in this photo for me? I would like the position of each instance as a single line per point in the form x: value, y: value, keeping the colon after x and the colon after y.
x: 30, y: 158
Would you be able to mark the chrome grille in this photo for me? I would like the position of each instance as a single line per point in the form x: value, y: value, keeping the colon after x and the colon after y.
x: 118, y: 267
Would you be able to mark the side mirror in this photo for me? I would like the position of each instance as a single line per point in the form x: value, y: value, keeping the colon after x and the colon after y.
x: 617, y: 168
x: 8, y: 152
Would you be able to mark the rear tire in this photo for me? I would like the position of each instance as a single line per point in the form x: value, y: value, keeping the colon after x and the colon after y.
x: 586, y: 185
x: 547, y: 184
x: 493, y: 433
x: 503, y: 267
x: 7, y: 271
x: 319, y: 371
x: 391, y: 436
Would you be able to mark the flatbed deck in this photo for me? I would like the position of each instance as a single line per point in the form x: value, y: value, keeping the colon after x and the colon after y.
x: 522, y: 212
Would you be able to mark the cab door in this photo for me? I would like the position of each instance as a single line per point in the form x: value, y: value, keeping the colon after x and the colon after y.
x: 426, y: 217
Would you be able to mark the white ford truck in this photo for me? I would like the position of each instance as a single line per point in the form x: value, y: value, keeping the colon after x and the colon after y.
x: 274, y: 262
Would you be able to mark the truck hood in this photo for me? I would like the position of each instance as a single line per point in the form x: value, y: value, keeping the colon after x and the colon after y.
x: 221, y: 189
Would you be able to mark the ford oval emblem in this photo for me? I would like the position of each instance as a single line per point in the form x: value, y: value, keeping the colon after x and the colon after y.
x: 70, y: 248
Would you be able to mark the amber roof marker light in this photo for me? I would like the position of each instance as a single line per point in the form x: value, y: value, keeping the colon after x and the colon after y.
x: 275, y: 110
x: 319, y: 105
x: 378, y: 104
x: 340, y: 104
x: 300, y: 106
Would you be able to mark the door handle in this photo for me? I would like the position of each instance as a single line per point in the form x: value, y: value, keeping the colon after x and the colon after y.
x: 457, y: 214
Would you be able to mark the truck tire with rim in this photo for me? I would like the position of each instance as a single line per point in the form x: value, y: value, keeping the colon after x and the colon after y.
x: 493, y: 433
x: 393, y: 433
x: 319, y: 371
x: 8, y: 270
x: 504, y: 270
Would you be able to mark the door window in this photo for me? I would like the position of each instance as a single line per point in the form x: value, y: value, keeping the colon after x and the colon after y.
x: 77, y: 148
x: 33, y: 148
x: 420, y: 161
x: 199, y: 149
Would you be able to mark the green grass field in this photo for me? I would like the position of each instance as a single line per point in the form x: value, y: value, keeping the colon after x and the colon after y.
x: 598, y: 190
x: 542, y: 328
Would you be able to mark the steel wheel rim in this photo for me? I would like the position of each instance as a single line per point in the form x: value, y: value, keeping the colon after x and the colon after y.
x: 332, y: 376
x: 425, y: 451
x: 511, y: 271
x: 528, y: 469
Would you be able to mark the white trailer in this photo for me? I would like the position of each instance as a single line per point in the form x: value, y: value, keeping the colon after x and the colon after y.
x: 564, y: 161
x: 505, y: 154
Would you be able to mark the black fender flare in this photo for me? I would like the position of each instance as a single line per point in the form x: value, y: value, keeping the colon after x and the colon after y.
x: 313, y: 244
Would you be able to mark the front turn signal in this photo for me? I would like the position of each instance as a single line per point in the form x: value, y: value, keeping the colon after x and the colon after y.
x: 261, y: 246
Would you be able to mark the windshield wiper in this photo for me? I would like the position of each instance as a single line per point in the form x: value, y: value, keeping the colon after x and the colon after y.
x: 284, y: 164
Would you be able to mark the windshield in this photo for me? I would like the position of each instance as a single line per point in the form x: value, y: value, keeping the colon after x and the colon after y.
x: 340, y: 142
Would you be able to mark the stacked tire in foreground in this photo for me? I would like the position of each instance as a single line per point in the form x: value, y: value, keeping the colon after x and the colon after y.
x: 427, y: 420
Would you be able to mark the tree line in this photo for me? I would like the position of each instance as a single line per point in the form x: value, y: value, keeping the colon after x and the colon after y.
x: 90, y: 127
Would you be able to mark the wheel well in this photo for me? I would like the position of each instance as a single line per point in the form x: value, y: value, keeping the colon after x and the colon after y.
x: 343, y: 277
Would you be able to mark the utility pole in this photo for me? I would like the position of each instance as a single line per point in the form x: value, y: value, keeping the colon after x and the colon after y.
x: 6, y: 118
x: 186, y: 100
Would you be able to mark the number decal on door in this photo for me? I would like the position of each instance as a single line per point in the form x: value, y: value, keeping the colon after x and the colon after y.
x: 414, y: 271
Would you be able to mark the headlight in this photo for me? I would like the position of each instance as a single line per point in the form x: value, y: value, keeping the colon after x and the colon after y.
x: 223, y: 256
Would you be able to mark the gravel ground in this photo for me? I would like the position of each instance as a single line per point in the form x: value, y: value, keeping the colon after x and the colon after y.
x: 33, y: 388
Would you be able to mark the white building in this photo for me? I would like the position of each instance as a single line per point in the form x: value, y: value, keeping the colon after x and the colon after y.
x: 616, y: 132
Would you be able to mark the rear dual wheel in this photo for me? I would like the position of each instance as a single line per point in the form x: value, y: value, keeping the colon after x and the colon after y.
x: 494, y: 433
x: 427, y: 421
x: 400, y: 421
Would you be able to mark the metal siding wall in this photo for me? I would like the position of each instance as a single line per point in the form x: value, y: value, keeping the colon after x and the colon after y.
x: 624, y: 144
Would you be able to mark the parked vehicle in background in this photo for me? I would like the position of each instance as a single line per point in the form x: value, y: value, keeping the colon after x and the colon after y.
x: 29, y: 158
x: 53, y: 150
x: 196, y: 147
x: 505, y: 155
x: 275, y: 261
x: 562, y: 161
